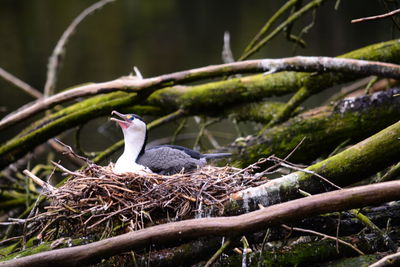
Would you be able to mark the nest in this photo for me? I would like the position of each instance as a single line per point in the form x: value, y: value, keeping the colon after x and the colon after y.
x: 96, y: 200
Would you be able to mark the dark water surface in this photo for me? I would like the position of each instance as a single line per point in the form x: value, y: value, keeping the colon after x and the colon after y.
x: 158, y: 37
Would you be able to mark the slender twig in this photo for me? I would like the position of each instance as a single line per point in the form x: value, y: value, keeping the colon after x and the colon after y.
x: 391, y: 174
x: 324, y: 236
x: 389, y: 260
x: 70, y: 151
x: 66, y: 170
x: 382, y: 16
x: 246, y: 250
x: 57, y: 55
x: 265, y: 239
x: 288, y: 29
x: 299, y: 97
x: 268, y: 24
x: 281, y: 27
x: 218, y: 253
x: 178, y: 130
x: 310, y: 172
x: 20, y: 84
x: 368, y: 223
x: 40, y: 182
x: 227, y: 56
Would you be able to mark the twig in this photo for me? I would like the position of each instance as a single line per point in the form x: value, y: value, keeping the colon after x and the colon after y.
x: 71, y: 152
x: 299, y: 97
x: 218, y: 253
x: 40, y: 182
x: 66, y: 170
x: 178, y: 130
x: 246, y: 250
x: 389, y: 14
x: 281, y: 27
x: 324, y: 236
x: 288, y: 29
x: 57, y: 55
x: 265, y: 239
x: 373, y: 227
x: 130, y: 84
x: 268, y: 24
x: 391, y: 174
x: 20, y: 84
x: 389, y: 260
x: 227, y: 56
x: 310, y: 172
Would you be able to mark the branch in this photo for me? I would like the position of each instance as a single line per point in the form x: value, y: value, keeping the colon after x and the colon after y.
x: 281, y: 27
x: 389, y: 14
x: 390, y: 260
x: 20, y: 84
x: 38, y: 181
x: 268, y: 24
x: 177, y: 232
x: 133, y: 84
x: 57, y: 55
x: 345, y: 168
x: 324, y: 236
x: 325, y: 128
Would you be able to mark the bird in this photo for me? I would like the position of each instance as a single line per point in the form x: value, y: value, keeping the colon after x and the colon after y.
x: 162, y: 159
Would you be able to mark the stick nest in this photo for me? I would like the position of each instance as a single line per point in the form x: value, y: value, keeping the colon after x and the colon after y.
x: 98, y: 201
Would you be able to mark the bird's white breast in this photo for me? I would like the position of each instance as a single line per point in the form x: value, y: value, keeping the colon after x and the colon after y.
x: 125, y: 164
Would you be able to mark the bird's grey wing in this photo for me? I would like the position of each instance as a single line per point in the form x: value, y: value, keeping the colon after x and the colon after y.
x: 190, y: 152
x: 166, y: 160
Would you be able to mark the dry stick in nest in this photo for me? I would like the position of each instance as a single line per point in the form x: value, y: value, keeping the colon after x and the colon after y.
x: 106, y: 196
x: 223, y: 226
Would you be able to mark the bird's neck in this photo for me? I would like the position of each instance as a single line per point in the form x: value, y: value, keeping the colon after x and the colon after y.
x: 134, y: 145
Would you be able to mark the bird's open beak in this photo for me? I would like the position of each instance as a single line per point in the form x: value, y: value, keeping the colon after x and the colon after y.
x: 124, y: 123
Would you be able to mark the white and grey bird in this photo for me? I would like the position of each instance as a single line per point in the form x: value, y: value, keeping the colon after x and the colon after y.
x: 164, y: 159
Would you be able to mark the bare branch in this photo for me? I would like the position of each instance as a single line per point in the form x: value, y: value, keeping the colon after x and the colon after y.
x: 389, y: 14
x: 57, y: 55
x: 20, y: 84
x: 324, y: 236
x: 40, y: 182
x: 390, y: 260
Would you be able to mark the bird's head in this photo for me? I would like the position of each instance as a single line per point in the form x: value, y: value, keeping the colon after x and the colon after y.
x: 129, y: 123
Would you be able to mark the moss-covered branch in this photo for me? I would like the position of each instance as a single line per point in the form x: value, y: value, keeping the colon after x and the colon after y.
x: 348, y: 167
x: 323, y: 129
x: 216, y: 95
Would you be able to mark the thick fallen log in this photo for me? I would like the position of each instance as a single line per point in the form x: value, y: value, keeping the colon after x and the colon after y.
x: 168, y: 234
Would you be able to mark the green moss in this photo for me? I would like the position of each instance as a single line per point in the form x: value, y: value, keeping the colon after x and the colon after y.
x: 45, y: 246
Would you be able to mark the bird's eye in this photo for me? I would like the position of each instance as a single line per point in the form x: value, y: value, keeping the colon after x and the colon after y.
x: 130, y: 117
